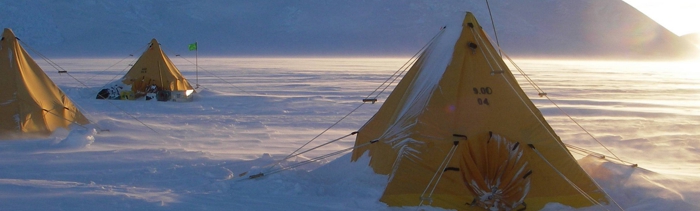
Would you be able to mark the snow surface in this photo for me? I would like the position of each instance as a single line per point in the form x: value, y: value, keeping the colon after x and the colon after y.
x: 253, y: 111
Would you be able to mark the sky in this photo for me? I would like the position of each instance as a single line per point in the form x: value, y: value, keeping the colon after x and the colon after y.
x: 283, y: 28
x: 679, y: 16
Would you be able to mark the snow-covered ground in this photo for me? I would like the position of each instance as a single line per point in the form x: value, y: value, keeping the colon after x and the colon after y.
x: 147, y: 155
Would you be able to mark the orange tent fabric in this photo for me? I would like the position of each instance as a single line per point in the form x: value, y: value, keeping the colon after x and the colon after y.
x: 29, y: 101
x: 155, y: 68
x: 460, y: 105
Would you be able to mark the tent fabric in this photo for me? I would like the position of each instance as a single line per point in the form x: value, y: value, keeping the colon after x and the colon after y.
x: 155, y: 68
x: 460, y: 96
x: 29, y: 101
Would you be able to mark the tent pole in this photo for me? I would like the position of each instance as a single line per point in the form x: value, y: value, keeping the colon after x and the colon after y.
x: 494, y: 29
x: 196, y: 66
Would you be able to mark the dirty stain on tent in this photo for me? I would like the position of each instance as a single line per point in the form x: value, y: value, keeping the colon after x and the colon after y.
x: 30, y: 102
x: 152, y: 76
x: 459, y: 133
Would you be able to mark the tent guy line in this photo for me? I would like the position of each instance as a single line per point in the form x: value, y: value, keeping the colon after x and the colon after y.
x: 453, y: 89
x: 405, y: 66
x: 219, y: 77
x: 30, y: 94
x: 411, y: 61
x: 542, y: 93
x: 477, y: 36
x: 61, y: 70
x: 115, y: 64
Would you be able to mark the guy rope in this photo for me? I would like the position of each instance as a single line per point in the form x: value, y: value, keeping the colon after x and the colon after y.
x: 371, y: 98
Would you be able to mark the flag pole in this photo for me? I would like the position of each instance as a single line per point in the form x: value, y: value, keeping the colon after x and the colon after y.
x: 196, y: 66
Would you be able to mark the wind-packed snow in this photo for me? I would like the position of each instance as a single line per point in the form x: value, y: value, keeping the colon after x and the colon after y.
x: 251, y: 112
x: 436, y: 58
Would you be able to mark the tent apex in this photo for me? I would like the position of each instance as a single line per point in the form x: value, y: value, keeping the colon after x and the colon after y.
x: 7, y: 32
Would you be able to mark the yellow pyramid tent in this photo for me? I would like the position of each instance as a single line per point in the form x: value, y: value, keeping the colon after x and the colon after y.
x: 459, y: 133
x: 153, y: 73
x: 30, y: 102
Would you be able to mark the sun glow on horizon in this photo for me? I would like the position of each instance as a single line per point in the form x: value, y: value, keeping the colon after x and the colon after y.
x: 678, y: 16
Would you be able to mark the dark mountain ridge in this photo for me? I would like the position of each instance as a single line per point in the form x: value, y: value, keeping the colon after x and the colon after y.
x: 527, y: 28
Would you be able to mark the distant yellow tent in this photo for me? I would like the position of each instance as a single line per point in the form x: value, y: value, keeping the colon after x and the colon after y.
x: 459, y: 133
x: 29, y: 101
x: 152, y: 73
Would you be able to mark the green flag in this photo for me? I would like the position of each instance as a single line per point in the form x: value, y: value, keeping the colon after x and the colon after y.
x: 193, y: 46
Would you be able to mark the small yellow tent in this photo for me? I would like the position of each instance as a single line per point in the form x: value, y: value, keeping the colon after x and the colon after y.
x: 459, y: 133
x: 29, y: 101
x: 153, y: 72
